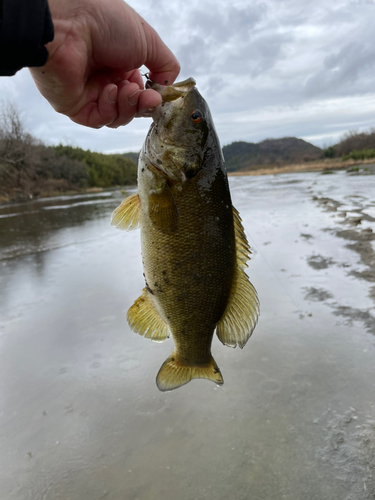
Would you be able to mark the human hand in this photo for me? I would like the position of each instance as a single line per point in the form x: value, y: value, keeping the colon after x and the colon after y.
x: 91, y: 74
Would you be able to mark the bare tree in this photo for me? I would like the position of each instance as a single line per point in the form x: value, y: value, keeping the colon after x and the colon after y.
x: 354, y: 141
x: 13, y: 137
x: 16, y: 147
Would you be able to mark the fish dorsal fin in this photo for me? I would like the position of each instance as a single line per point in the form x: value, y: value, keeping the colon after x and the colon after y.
x: 174, y: 373
x: 127, y: 216
x: 241, y: 314
x: 144, y: 319
x: 162, y: 209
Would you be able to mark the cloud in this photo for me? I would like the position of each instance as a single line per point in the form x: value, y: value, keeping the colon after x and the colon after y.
x: 216, y: 37
x: 218, y: 23
x: 256, y: 57
x: 196, y: 55
x: 342, y: 70
x: 267, y: 69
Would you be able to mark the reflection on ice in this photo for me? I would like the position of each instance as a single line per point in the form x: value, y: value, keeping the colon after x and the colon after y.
x: 73, y: 205
x: 369, y: 211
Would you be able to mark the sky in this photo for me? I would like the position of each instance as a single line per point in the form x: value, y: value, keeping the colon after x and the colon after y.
x: 268, y: 69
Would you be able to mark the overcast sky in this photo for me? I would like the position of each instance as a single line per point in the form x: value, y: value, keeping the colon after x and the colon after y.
x: 267, y: 69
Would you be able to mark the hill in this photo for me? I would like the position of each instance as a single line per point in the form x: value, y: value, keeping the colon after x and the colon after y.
x: 251, y: 156
x: 243, y: 155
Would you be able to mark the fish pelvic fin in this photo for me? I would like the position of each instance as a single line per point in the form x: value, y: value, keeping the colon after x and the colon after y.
x: 241, y: 314
x: 144, y: 319
x: 127, y: 216
x: 174, y: 373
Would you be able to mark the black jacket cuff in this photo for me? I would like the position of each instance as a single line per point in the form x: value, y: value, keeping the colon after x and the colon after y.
x: 25, y: 27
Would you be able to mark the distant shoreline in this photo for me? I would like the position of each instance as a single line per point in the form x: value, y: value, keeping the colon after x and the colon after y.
x: 313, y: 166
x: 20, y: 196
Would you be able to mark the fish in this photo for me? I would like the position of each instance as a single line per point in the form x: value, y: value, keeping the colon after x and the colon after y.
x: 194, y: 248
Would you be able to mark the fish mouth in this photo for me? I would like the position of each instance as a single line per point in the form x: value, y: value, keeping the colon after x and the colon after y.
x: 189, y: 82
x: 172, y: 92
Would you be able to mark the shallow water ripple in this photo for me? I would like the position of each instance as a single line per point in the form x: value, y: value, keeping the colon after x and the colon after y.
x: 80, y: 415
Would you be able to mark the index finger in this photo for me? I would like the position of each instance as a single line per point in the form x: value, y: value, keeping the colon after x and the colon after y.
x: 161, y: 62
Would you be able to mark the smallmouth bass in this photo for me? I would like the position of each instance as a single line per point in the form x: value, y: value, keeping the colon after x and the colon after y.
x: 194, y: 248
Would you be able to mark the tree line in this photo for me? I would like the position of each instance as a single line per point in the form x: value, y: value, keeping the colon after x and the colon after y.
x: 29, y: 168
x: 354, y: 145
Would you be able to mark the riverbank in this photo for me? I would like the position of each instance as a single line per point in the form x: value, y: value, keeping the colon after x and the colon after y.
x: 314, y: 166
x: 325, y: 166
x: 18, y: 196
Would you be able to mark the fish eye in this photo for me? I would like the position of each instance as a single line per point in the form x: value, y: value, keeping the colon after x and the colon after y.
x: 196, y: 116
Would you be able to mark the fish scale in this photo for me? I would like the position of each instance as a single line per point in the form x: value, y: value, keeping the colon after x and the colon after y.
x: 192, y: 267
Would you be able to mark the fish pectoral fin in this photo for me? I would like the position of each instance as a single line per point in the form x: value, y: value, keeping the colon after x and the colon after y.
x: 162, y: 210
x: 173, y: 373
x: 241, y: 314
x: 144, y: 319
x: 127, y: 216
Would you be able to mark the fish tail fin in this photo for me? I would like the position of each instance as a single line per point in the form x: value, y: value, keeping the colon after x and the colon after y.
x: 174, y: 373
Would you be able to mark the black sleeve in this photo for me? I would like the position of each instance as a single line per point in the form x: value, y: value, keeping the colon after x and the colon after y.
x: 25, y: 27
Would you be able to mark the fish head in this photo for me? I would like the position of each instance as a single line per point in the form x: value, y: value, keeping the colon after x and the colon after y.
x: 177, y: 139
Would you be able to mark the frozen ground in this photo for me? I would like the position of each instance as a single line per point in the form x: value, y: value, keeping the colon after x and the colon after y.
x: 80, y: 415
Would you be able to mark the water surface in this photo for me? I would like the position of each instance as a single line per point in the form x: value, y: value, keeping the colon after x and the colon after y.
x: 80, y: 415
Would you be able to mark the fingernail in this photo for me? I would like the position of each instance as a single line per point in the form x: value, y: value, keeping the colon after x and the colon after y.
x: 133, y: 99
x: 113, y: 94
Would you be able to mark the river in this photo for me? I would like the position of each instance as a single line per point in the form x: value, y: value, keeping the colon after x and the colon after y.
x: 80, y: 415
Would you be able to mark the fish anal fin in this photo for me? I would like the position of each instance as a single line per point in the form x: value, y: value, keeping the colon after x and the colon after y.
x: 144, y: 319
x: 241, y: 314
x: 174, y: 373
x: 127, y: 216
x: 162, y: 209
